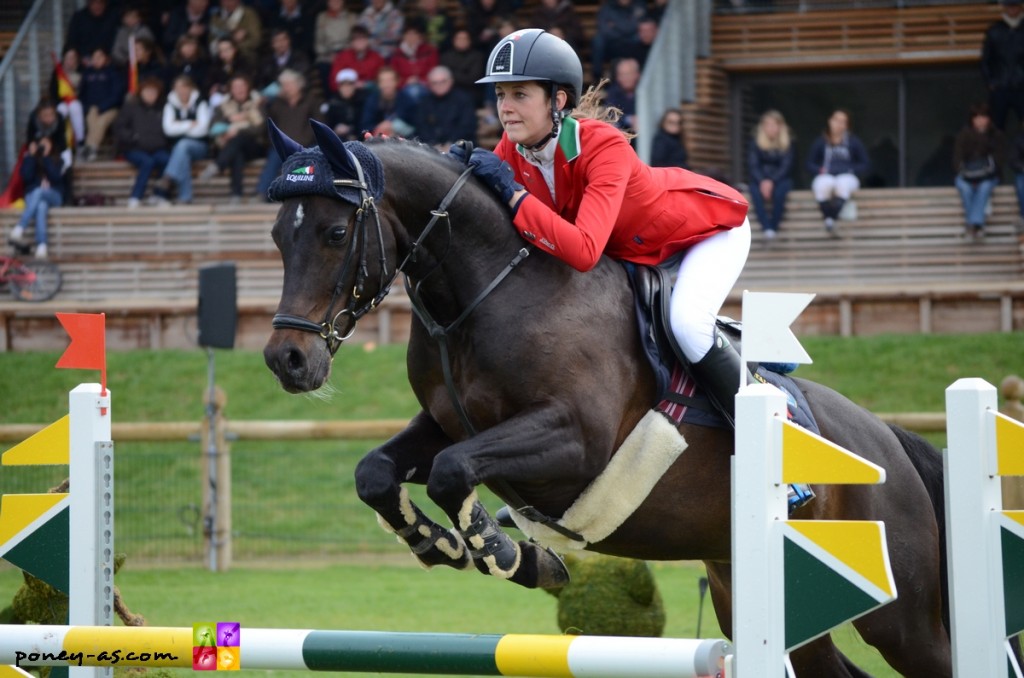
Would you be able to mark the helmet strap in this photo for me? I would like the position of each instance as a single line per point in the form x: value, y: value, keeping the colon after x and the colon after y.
x: 556, y: 121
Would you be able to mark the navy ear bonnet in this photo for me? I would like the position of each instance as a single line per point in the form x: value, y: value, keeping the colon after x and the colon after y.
x: 313, y: 171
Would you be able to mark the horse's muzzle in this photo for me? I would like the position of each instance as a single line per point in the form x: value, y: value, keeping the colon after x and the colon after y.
x: 300, y: 366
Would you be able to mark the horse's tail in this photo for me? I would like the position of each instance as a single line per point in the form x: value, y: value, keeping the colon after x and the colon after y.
x: 928, y: 462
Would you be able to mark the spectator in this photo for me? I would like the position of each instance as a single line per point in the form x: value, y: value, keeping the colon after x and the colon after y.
x: 384, y: 23
x: 388, y: 110
x: 103, y: 90
x: 466, y: 63
x: 359, y: 57
x: 483, y: 17
x: 1016, y: 159
x: 189, y: 59
x: 91, y: 27
x: 191, y: 18
x: 238, y: 130
x: 837, y: 160
x: 150, y: 62
x: 281, y: 58
x: 646, y: 34
x: 770, y: 164
x: 227, y: 63
x: 131, y: 27
x: 299, y: 24
x: 239, y: 22
x: 186, y: 122
x: 345, y: 107
x: 291, y: 110
x: 413, y: 60
x: 668, y: 147
x: 140, y: 138
x: 42, y: 171
x: 621, y: 94
x: 979, y: 154
x: 617, y: 31
x: 445, y: 114
x: 438, y: 26
x: 69, y: 105
x: 558, y: 16
x: 333, y: 28
x: 1002, y: 64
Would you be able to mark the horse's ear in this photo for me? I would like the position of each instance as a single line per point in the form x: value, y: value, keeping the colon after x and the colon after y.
x: 284, y: 145
x: 334, y: 148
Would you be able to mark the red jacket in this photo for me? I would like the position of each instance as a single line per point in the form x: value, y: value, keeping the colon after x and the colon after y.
x: 416, y: 65
x: 610, y: 202
x: 366, y: 66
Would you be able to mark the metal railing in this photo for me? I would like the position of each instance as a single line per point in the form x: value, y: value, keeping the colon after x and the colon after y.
x: 25, y: 73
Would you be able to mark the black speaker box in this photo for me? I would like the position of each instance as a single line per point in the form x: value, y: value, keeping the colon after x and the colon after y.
x: 218, y: 306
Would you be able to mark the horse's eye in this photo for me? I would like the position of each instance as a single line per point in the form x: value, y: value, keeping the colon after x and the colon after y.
x: 336, y: 235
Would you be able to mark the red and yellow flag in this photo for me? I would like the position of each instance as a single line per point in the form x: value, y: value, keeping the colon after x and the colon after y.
x: 88, y: 347
x: 133, y: 67
x: 65, y: 90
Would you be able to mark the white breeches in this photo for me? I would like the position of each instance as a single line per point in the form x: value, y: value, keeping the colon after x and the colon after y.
x: 842, y: 186
x: 707, y: 274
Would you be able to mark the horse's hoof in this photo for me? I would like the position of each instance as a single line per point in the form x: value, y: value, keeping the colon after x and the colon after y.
x: 541, y: 568
x: 503, y: 517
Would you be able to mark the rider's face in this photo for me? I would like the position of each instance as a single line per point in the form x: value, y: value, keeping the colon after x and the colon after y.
x: 524, y: 111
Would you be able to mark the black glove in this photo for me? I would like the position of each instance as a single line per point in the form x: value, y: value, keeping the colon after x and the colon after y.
x: 495, y: 172
x: 460, y: 150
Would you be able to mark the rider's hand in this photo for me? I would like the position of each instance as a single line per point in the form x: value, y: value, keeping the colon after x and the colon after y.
x: 495, y: 172
x: 460, y: 150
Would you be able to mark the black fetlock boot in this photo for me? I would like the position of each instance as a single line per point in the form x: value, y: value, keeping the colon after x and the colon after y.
x: 719, y: 375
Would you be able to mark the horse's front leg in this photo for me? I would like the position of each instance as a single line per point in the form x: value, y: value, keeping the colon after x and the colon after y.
x: 409, y: 457
x: 543, y: 443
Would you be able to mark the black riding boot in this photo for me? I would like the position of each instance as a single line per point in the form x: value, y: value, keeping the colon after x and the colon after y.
x: 719, y: 373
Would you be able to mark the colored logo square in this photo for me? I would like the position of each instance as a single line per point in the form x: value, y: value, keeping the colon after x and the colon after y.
x: 229, y: 634
x: 204, y: 634
x: 204, y: 658
x: 229, y: 658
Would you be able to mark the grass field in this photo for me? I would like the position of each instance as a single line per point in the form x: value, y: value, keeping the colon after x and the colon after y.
x: 282, y: 490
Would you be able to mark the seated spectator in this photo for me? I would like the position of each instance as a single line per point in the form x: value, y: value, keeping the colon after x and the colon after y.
x: 140, y: 138
x: 359, y: 57
x: 1016, y: 158
x: 190, y: 18
x: 837, y: 159
x: 558, y: 16
x: 668, y: 147
x: 345, y: 107
x: 150, y: 62
x: 445, y: 114
x: 413, y: 59
x: 621, y: 93
x: 42, y: 172
x: 64, y: 90
x: 131, y: 27
x: 189, y: 59
x: 617, y: 31
x: 186, y: 122
x: 103, y: 90
x: 388, y: 109
x: 979, y: 154
x: 281, y: 58
x: 646, y: 34
x: 300, y: 26
x: 384, y: 23
x: 466, y: 64
x: 291, y: 110
x: 484, y: 17
x: 227, y: 63
x: 770, y: 159
x: 438, y: 26
x: 333, y: 28
x: 92, y: 27
x: 239, y: 22
x: 238, y: 130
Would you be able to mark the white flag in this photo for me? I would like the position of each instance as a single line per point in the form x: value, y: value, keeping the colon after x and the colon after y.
x: 766, y: 320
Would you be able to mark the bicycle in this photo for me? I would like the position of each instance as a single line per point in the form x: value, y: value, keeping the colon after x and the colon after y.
x: 31, y: 280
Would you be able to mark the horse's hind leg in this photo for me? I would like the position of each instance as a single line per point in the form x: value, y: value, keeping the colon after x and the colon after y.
x: 408, y: 457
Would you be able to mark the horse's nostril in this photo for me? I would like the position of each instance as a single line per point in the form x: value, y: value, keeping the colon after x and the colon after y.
x: 295, y: 361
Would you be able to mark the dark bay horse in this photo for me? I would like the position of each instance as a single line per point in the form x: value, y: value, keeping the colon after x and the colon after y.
x: 548, y: 375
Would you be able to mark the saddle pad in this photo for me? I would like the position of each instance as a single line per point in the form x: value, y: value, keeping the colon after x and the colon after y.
x: 696, y: 409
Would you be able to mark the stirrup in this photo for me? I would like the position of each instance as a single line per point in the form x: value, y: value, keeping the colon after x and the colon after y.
x: 798, y: 495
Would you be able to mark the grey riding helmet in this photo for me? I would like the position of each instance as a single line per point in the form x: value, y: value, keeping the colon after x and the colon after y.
x: 535, y: 54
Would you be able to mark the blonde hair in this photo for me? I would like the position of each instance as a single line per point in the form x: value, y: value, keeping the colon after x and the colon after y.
x: 591, y: 105
x: 782, y: 142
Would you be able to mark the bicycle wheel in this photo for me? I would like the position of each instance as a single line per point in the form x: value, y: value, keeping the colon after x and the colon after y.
x: 34, y: 280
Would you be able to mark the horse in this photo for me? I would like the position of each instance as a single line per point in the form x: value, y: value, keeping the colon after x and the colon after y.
x: 530, y: 377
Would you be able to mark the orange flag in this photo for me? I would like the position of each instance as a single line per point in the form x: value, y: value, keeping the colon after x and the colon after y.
x: 88, y: 347
x: 133, y: 67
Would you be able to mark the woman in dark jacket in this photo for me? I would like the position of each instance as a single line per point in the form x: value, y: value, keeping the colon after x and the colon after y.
x: 668, y: 148
x: 837, y: 160
x: 140, y: 136
x: 42, y: 171
x: 770, y: 165
x: 979, y: 153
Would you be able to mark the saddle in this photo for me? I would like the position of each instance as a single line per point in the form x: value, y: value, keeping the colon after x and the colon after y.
x: 679, y: 395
